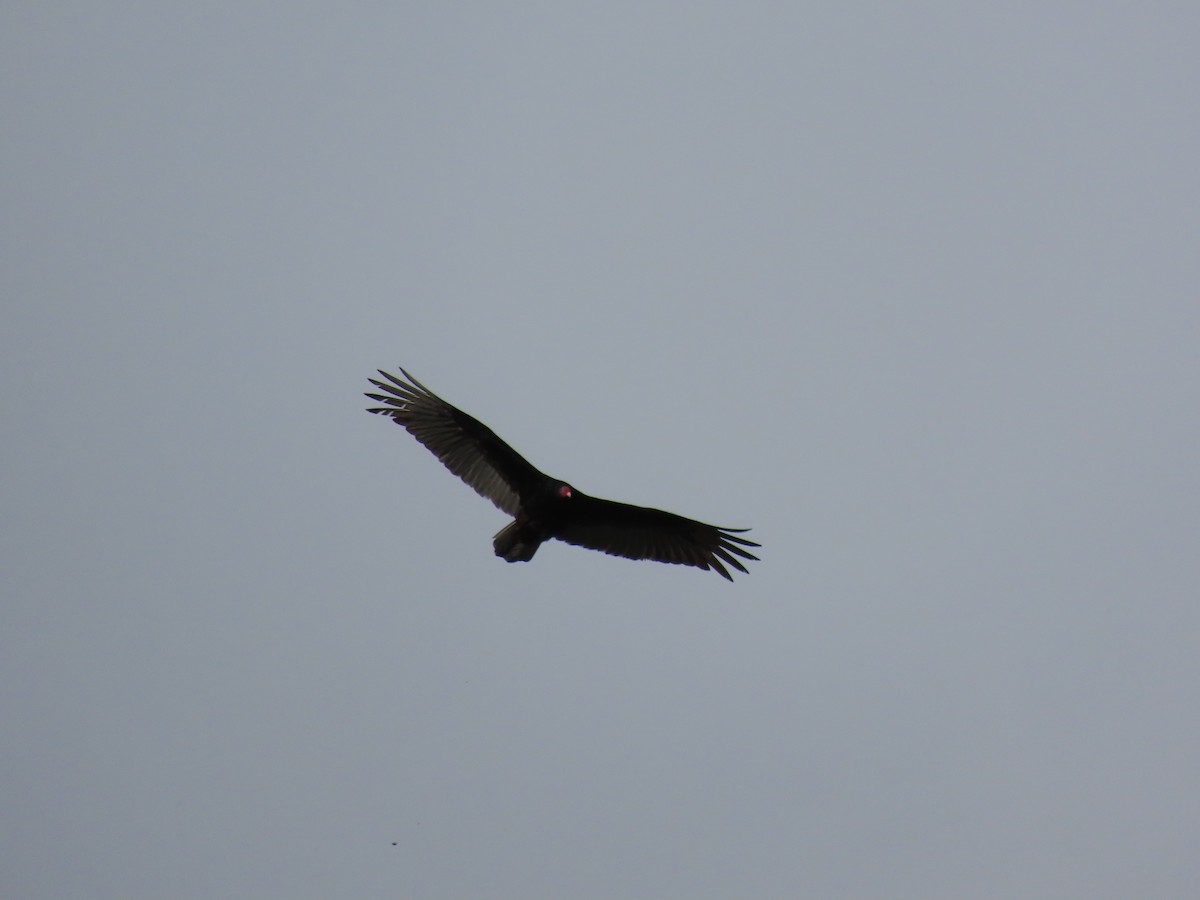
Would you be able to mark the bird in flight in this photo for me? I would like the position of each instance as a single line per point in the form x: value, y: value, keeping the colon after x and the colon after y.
x: 543, y: 507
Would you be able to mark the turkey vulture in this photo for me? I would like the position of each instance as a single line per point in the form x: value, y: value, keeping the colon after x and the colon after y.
x: 543, y: 507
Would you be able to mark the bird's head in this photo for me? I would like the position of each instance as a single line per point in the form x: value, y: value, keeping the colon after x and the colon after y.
x: 563, y: 491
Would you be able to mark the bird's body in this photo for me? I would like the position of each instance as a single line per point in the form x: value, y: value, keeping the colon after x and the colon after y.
x: 543, y: 507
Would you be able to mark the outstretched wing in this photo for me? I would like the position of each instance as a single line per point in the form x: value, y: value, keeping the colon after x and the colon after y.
x: 466, y: 446
x: 638, y: 532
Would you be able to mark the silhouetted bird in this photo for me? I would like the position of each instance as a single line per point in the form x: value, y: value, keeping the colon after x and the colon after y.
x: 543, y: 507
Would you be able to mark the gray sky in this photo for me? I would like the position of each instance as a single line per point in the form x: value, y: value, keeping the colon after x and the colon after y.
x: 912, y: 289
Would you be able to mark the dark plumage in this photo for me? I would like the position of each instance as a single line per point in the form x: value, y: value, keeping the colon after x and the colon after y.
x: 543, y: 507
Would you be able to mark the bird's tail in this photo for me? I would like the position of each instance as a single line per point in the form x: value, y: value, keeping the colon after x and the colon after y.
x: 515, y: 543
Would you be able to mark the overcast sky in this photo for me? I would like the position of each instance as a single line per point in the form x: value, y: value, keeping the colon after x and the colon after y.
x: 912, y: 290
